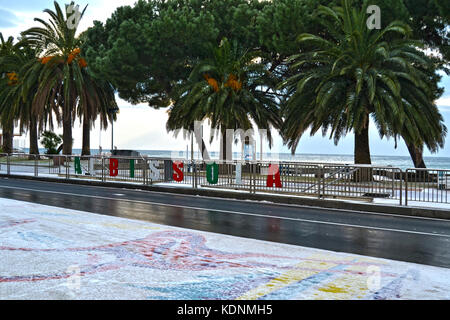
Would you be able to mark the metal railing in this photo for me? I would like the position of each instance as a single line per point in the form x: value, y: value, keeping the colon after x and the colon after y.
x: 362, y: 182
x: 427, y: 185
x: 318, y: 180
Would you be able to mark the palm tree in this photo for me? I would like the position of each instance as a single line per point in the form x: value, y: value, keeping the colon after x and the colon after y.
x: 8, y: 79
x: 100, y: 99
x: 16, y: 98
x: 356, y: 74
x: 64, y: 81
x: 423, y: 124
x: 231, y: 89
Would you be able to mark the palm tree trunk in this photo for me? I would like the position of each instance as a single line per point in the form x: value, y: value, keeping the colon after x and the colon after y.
x: 362, y: 148
x: 362, y: 154
x: 223, y: 146
x: 34, y: 147
x: 67, y: 134
x: 86, y: 149
x: 416, y: 153
x: 223, y: 167
x: 8, y: 136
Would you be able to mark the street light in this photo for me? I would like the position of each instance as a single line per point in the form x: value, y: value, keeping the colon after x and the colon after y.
x: 112, y: 112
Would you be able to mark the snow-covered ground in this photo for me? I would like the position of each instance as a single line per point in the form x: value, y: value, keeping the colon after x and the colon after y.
x: 54, y: 253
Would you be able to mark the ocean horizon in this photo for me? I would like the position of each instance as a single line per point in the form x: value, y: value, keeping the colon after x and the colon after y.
x: 402, y: 162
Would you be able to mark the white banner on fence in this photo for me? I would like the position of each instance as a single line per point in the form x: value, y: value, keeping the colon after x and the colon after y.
x: 239, y: 173
x: 91, y: 166
x: 155, y: 175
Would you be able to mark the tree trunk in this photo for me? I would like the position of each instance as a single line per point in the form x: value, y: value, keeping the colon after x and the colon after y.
x: 223, y: 167
x: 8, y: 136
x: 34, y: 146
x: 86, y: 149
x: 362, y: 154
x: 416, y: 153
x: 362, y: 148
x: 67, y: 134
x: 223, y: 147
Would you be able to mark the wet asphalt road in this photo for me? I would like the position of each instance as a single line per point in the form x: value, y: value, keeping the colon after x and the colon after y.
x: 418, y: 240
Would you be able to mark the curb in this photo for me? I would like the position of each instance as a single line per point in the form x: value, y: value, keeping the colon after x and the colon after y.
x: 300, y: 201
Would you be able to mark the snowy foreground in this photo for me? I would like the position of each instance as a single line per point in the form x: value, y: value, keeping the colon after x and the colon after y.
x: 53, y: 253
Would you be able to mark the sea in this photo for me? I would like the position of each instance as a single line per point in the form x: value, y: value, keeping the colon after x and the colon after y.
x: 402, y: 162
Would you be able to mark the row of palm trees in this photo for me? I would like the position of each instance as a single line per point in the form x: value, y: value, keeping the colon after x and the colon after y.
x: 45, y: 78
x: 337, y: 84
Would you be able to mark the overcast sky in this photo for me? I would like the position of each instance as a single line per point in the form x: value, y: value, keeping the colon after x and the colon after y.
x: 143, y: 128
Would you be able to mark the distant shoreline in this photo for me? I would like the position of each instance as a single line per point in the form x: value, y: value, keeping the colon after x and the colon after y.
x: 402, y: 162
x: 145, y: 151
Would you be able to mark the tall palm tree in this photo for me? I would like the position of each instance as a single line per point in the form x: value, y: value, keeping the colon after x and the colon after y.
x: 8, y: 79
x: 65, y: 81
x: 423, y: 124
x: 231, y: 89
x: 100, y: 99
x: 355, y: 74
x: 16, y: 98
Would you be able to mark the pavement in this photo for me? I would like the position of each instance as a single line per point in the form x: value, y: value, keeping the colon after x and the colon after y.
x: 418, y: 240
x: 54, y: 253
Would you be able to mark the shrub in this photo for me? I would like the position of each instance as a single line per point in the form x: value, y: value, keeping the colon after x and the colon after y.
x: 51, y: 141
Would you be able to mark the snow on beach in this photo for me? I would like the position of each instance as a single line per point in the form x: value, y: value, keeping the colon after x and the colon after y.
x: 55, y: 253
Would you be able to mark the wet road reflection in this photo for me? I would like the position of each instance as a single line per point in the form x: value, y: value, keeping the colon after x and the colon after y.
x: 412, y: 240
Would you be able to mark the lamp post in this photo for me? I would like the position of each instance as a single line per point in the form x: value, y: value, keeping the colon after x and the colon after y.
x: 112, y: 112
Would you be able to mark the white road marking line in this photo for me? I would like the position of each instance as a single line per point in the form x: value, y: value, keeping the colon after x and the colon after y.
x: 259, y: 202
x: 235, y: 212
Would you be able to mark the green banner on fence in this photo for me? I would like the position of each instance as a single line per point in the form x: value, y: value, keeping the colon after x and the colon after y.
x: 78, y: 166
x: 212, y: 173
x: 132, y: 168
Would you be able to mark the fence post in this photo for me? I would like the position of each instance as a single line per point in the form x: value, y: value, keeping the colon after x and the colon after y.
x: 406, y: 188
x: 251, y: 176
x: 67, y: 164
x: 103, y: 168
x: 401, y: 186
x: 145, y: 172
x: 319, y: 184
x: 393, y: 183
x: 196, y: 176
x: 193, y: 175
x: 36, y: 168
x: 254, y: 174
x: 8, y: 164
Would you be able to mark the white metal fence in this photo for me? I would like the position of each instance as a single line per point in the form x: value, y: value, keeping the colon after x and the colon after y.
x: 286, y: 178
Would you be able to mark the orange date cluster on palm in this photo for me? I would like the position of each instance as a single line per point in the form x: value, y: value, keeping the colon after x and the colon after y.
x: 70, y: 58
x: 212, y: 82
x: 75, y: 52
x: 82, y: 63
x: 47, y: 59
x: 232, y: 83
x: 13, y: 78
